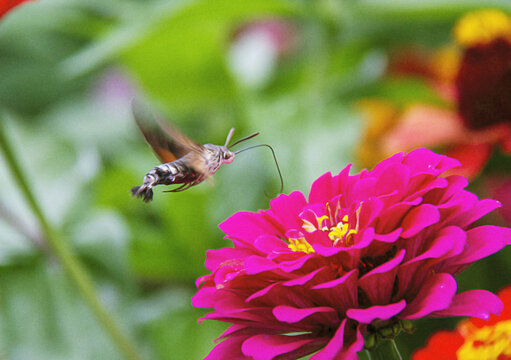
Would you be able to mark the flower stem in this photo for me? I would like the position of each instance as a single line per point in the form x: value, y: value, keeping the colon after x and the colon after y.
x: 367, y: 354
x: 63, y: 252
x: 386, y: 350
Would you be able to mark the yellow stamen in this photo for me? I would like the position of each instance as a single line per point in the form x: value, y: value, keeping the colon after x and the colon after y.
x: 341, y: 231
x: 482, y: 27
x: 320, y: 222
x: 488, y: 342
x: 310, y: 227
x: 300, y: 245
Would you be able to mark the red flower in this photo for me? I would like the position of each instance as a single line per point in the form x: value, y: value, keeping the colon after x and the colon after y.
x: 7, y: 5
x: 473, y: 339
x: 475, y: 84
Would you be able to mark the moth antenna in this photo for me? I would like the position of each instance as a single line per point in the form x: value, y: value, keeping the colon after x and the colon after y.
x: 273, y: 153
x: 244, y: 139
x: 229, y: 136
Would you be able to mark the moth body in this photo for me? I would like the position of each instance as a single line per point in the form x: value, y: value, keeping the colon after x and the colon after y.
x: 189, y: 170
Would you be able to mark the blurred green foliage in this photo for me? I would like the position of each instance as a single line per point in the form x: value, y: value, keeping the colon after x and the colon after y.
x: 69, y: 71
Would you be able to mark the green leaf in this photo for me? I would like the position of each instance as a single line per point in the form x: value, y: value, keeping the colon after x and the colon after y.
x: 43, y: 317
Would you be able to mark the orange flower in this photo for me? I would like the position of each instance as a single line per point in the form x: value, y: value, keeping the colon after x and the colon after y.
x: 474, y: 339
x: 473, y: 82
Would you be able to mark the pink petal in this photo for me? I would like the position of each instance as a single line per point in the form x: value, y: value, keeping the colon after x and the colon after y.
x: 390, y: 237
x: 262, y: 292
x: 368, y: 212
x: 228, y: 349
x: 384, y: 312
x: 248, y: 226
x: 302, y: 280
x: 378, y: 282
x: 434, y: 295
x: 214, y: 258
x: 475, y: 303
x: 396, y: 158
x: 205, y: 298
x: 362, y: 190
x: 322, y: 189
x: 482, y: 208
x: 275, y: 294
x: 258, y: 264
x: 297, y: 264
x: 334, y: 347
x: 393, y: 177
x: 340, y: 293
x: 448, y: 239
x: 390, y: 217
x: 482, y: 241
x: 422, y: 161
x: 287, y: 207
x: 268, y: 243
x: 363, y: 239
x: 424, y: 190
x: 268, y: 347
x: 291, y: 314
x: 418, y: 219
x: 242, y: 318
x: 244, y: 330
x: 456, y: 183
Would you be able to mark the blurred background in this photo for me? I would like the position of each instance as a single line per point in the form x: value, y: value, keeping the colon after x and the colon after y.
x: 326, y: 83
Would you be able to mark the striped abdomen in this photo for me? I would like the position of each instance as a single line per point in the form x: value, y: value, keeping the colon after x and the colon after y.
x: 176, y: 172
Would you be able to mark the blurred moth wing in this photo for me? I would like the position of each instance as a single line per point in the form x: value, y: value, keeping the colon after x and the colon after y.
x: 167, y: 142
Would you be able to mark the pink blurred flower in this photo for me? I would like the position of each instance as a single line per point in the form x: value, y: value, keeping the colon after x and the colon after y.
x: 363, y: 253
x: 258, y: 46
x: 7, y: 5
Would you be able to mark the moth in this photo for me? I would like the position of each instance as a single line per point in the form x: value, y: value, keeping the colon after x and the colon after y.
x: 184, y: 162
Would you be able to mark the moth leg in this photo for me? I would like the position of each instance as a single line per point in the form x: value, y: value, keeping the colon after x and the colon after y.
x: 181, y: 188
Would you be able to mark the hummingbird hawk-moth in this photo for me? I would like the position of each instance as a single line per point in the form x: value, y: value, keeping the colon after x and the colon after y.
x: 184, y: 162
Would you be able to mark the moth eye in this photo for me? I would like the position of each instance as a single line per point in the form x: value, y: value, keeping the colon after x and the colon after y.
x: 227, y: 156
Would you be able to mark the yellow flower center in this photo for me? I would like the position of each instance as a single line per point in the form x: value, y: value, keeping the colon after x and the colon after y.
x: 341, y: 231
x: 482, y: 27
x: 486, y: 343
x: 338, y: 233
x: 300, y: 244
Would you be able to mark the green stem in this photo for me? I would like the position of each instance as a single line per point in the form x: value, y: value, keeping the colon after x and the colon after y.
x: 63, y: 252
x: 386, y: 350
x: 367, y: 354
x: 396, y: 352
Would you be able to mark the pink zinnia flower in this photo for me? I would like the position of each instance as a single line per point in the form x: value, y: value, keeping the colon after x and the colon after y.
x: 361, y: 254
